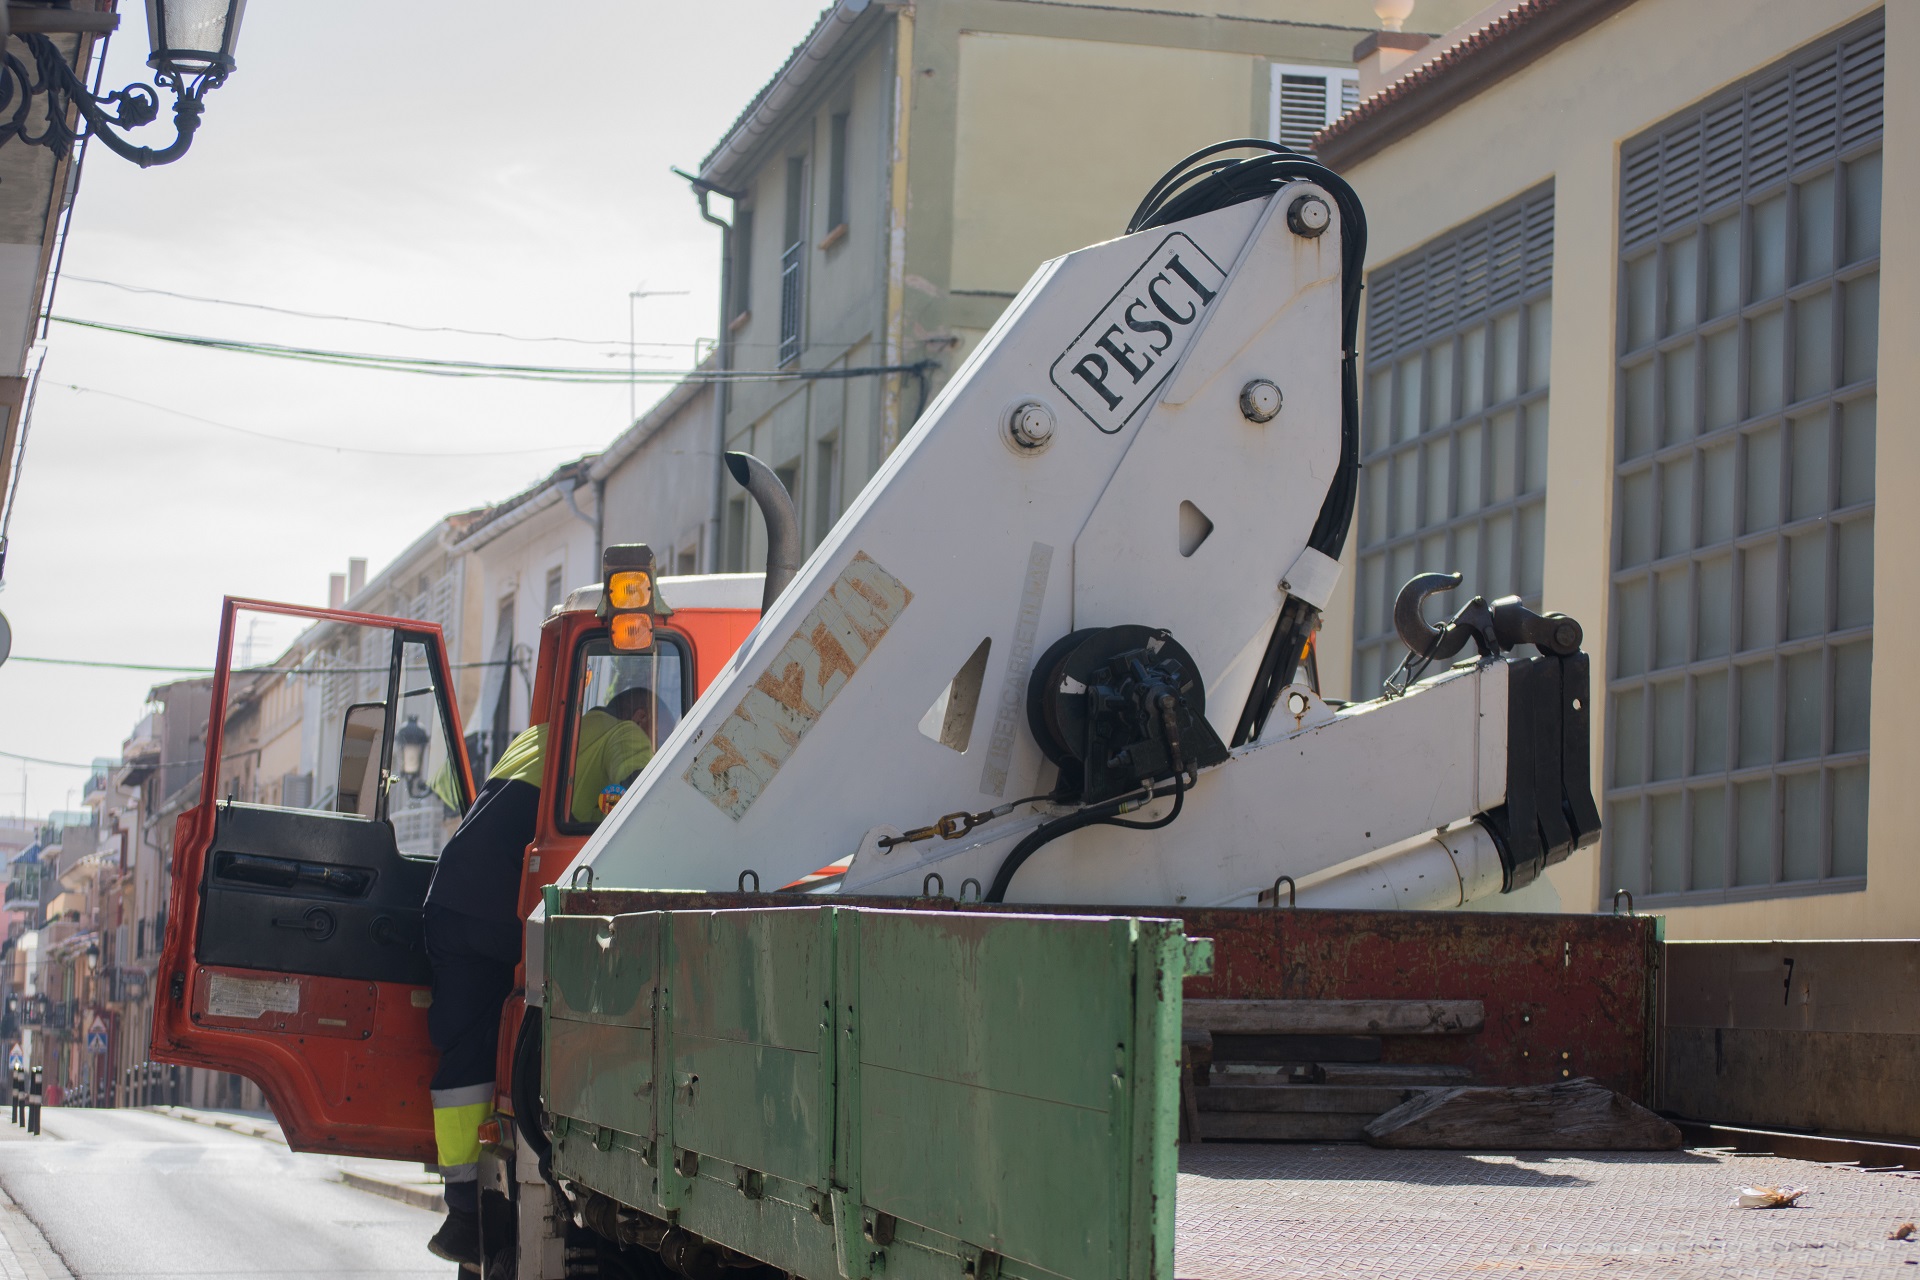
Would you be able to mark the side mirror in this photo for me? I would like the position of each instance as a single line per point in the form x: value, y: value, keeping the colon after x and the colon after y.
x: 360, y: 734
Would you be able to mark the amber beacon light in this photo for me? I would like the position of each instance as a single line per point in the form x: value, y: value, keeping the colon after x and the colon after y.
x: 627, y: 599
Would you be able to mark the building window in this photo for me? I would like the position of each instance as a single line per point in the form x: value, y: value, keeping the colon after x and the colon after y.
x: 793, y: 259
x: 556, y: 589
x: 1454, y: 439
x: 736, y: 539
x: 789, y: 478
x: 826, y: 486
x: 1304, y: 100
x: 1742, y: 644
x: 742, y: 263
x: 836, y: 172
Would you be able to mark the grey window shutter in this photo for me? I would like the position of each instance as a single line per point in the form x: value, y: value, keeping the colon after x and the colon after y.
x: 1739, y: 687
x: 1303, y: 109
x: 1818, y: 106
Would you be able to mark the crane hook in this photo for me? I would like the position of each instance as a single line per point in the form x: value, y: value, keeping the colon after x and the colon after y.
x: 1431, y: 643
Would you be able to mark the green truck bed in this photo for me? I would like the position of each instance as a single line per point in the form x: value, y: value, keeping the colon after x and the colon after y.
x: 857, y: 1092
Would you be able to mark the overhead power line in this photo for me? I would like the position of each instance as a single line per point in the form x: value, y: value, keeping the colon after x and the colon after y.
x: 321, y: 444
x: 113, y: 666
x: 395, y: 324
x: 245, y: 671
x: 490, y: 369
x: 58, y: 764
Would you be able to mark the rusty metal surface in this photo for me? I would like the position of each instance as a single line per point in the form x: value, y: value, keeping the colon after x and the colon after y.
x: 1752, y: 1032
x: 1564, y: 995
x: 777, y: 710
x: 1273, y: 1212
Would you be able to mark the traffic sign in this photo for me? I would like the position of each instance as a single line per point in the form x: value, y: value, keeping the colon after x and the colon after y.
x: 14, y: 1060
x: 97, y: 1035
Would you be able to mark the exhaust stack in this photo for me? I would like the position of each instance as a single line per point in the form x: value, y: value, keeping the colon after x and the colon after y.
x: 783, y: 522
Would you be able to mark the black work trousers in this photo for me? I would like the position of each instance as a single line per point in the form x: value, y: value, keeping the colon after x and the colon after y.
x: 472, y: 961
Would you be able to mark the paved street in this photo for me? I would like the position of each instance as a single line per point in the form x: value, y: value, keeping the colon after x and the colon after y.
x: 136, y: 1194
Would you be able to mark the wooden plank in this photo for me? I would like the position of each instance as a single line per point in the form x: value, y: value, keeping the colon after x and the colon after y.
x: 1336, y: 1017
x: 1237, y: 1074
x: 1303, y: 1050
x: 1287, y: 1127
x: 1573, y: 1115
x: 1362, y: 1100
x: 1400, y: 1073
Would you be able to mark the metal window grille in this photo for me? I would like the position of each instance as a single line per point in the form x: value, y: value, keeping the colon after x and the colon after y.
x: 1454, y: 439
x: 1742, y: 589
x: 793, y: 259
x: 790, y: 267
x: 1305, y: 100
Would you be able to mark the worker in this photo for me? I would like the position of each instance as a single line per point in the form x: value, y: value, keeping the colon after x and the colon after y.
x: 474, y: 931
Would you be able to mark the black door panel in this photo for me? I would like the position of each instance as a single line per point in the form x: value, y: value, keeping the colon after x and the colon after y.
x: 304, y: 891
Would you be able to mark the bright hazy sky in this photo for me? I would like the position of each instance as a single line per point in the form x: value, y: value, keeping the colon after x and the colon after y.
x: 484, y: 164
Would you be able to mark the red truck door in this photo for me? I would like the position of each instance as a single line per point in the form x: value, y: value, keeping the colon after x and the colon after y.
x: 293, y: 951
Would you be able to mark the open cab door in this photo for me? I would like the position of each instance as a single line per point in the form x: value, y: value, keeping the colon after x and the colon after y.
x: 293, y: 954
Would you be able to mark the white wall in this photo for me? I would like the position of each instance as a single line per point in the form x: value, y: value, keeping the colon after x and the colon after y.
x: 514, y: 565
x: 662, y: 492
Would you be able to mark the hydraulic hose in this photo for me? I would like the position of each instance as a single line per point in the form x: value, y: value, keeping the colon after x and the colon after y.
x: 1100, y: 814
x: 1097, y: 815
x: 1208, y: 180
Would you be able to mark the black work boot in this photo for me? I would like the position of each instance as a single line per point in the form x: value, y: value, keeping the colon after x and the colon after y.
x: 458, y: 1239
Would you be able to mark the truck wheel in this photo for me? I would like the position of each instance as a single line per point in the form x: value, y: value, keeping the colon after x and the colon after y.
x: 529, y: 1116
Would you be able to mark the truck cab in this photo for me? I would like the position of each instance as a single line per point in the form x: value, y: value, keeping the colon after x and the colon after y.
x: 293, y: 953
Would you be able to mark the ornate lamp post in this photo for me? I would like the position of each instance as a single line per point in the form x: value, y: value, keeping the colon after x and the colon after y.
x: 192, y: 44
x: 410, y: 744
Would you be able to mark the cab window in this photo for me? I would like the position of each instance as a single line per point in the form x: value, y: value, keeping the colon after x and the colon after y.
x: 621, y: 707
x: 351, y: 719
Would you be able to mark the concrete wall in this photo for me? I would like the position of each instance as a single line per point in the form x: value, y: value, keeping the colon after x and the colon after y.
x: 820, y: 431
x: 1564, y: 118
x: 513, y: 565
x: 1021, y: 198
x: 661, y: 493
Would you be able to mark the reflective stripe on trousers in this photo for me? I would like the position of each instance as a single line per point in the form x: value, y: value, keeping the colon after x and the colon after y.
x: 457, y: 1117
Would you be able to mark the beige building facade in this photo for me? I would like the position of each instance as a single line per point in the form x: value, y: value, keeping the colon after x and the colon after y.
x: 911, y: 166
x: 1631, y: 352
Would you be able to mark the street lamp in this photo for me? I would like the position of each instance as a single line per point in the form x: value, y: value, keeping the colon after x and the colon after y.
x: 192, y: 42
x: 410, y: 742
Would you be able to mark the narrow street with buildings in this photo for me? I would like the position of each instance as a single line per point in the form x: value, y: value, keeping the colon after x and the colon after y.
x: 434, y: 731
x: 130, y: 1192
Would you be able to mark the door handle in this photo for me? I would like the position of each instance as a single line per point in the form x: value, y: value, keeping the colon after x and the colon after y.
x: 287, y: 873
x: 316, y: 922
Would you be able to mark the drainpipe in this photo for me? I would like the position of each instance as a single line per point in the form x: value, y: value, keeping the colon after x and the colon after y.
x: 591, y: 521
x: 722, y: 360
x: 890, y: 395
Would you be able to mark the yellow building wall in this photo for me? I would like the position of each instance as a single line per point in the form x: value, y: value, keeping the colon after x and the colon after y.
x: 1025, y: 102
x: 1564, y: 118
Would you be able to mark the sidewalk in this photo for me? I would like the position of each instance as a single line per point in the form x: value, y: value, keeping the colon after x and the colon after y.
x: 410, y: 1184
x: 24, y: 1252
